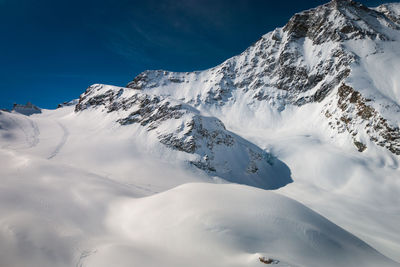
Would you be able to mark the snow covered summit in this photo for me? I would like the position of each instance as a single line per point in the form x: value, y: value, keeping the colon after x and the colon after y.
x: 342, y: 55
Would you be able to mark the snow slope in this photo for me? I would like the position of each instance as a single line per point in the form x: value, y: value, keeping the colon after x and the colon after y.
x: 133, y: 175
x: 58, y: 214
x: 210, y: 232
x: 68, y: 202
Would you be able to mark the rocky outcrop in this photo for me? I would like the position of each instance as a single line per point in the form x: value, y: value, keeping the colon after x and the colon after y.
x: 68, y: 103
x: 338, y: 21
x: 208, y: 144
x: 390, y: 12
x: 357, y: 117
x: 27, y: 109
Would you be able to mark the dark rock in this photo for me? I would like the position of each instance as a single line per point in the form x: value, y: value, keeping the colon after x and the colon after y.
x: 27, y: 109
x: 360, y: 146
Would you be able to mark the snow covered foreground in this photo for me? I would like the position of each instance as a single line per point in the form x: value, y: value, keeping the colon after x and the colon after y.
x: 107, y: 201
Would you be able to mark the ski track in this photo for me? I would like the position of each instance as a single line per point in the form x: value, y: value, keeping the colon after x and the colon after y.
x: 83, y: 256
x: 62, y: 141
x: 31, y: 137
x: 34, y: 137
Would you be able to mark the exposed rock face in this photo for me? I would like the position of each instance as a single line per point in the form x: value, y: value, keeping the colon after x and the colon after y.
x: 274, y: 62
x: 27, y: 109
x: 68, y: 103
x: 357, y: 115
x: 181, y: 127
x: 339, y: 20
x: 391, y: 12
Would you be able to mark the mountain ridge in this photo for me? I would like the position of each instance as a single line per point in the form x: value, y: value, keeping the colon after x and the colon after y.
x: 302, y: 63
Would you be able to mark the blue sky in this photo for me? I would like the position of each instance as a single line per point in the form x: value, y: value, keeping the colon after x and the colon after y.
x: 51, y: 51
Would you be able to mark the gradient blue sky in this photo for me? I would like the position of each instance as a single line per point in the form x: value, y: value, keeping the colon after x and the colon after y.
x: 51, y: 50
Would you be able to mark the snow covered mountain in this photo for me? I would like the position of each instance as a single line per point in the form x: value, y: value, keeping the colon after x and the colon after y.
x: 310, y: 111
x: 342, y: 55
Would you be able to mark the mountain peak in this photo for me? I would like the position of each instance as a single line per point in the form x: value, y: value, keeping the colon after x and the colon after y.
x: 342, y: 2
x: 348, y: 4
x: 339, y: 20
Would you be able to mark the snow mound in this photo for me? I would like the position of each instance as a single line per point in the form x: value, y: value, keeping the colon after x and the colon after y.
x: 233, y: 225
